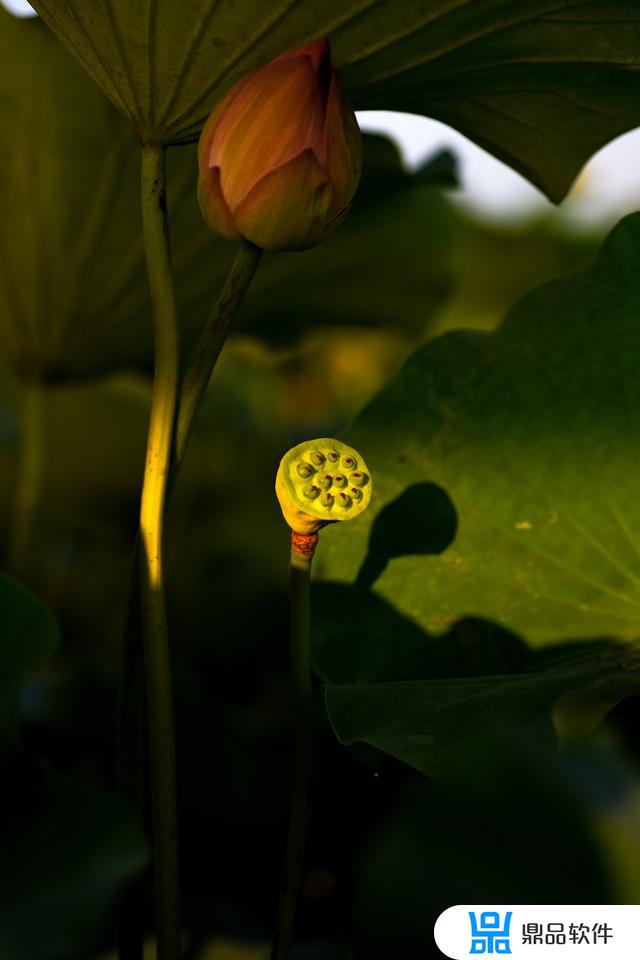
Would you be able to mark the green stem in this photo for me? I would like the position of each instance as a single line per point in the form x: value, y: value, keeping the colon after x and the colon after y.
x: 300, y: 576
x: 132, y: 758
x: 212, y: 341
x: 29, y: 481
x: 160, y: 443
x: 161, y: 748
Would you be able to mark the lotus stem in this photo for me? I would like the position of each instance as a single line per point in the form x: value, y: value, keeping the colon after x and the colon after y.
x: 318, y: 482
x: 132, y: 757
x: 213, y: 339
x: 164, y: 456
x: 302, y: 547
x: 160, y: 445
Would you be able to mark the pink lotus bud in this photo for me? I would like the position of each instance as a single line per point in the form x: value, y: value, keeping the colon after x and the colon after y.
x: 280, y: 156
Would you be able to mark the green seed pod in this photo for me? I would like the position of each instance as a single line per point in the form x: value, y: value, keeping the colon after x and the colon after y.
x: 307, y: 508
x: 349, y: 463
x: 304, y: 470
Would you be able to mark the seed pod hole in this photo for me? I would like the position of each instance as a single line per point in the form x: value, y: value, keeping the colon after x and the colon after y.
x: 344, y: 500
x: 317, y: 458
x: 356, y: 494
x: 304, y: 470
x: 327, y: 500
x: 324, y: 481
x: 332, y: 456
x: 349, y: 463
x: 310, y: 492
x: 340, y: 481
x: 357, y: 478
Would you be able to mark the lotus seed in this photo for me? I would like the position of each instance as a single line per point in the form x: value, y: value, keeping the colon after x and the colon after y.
x: 310, y: 492
x: 357, y: 478
x: 349, y: 463
x: 327, y: 500
x: 325, y: 481
x: 340, y: 481
x: 304, y: 470
x: 344, y: 499
x: 332, y: 456
x: 356, y: 494
x: 316, y: 457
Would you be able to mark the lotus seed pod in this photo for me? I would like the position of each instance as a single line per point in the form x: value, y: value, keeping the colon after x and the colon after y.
x: 309, y: 507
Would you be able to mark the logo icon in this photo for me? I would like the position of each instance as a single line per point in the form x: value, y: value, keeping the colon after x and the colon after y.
x: 487, y: 935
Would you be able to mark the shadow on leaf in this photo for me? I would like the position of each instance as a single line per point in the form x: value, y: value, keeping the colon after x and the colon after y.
x: 422, y: 520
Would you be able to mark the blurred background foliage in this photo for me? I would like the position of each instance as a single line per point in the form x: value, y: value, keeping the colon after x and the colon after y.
x: 319, y: 335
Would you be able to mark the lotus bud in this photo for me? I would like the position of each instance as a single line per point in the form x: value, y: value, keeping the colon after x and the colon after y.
x: 280, y: 156
x: 305, y: 511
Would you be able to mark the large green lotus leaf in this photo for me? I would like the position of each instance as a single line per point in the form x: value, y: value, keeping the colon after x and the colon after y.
x: 432, y: 700
x: 73, y: 285
x: 541, y: 83
x: 529, y: 436
x: 432, y: 724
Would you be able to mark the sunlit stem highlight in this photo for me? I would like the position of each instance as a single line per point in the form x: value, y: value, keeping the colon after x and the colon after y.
x: 160, y: 444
